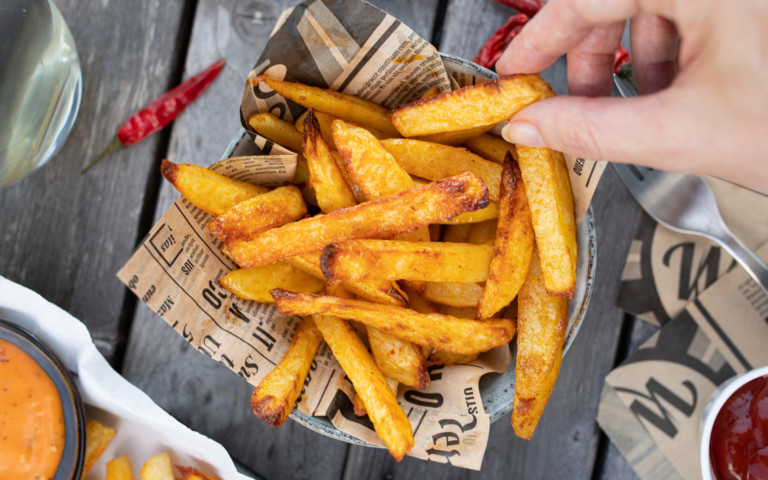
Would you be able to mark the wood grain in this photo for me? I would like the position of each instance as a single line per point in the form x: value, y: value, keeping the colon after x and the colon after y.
x: 66, y: 235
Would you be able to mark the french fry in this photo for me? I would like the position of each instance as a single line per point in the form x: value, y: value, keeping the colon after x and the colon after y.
x: 469, y: 107
x: 542, y: 322
x: 447, y: 358
x: 398, y: 359
x: 388, y: 418
x: 366, y: 260
x: 191, y: 473
x: 434, y: 161
x: 379, y: 292
x: 209, y: 191
x: 434, y: 330
x: 158, y: 467
x: 357, y: 402
x: 347, y: 107
x: 97, y: 438
x: 457, y: 137
x: 513, y: 246
x: 550, y: 200
x: 325, y: 177
x: 382, y: 218
x: 488, y: 213
x: 274, y: 398
x: 279, y: 131
x: 325, y: 120
x: 491, y: 147
x: 119, y: 469
x: 455, y: 294
x: 482, y: 232
x: 255, y: 283
x: 258, y: 214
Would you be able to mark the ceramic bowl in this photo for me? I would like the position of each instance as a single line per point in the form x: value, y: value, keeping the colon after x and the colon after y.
x: 73, y: 455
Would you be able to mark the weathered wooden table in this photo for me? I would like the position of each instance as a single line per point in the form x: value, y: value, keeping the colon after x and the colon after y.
x: 65, y: 236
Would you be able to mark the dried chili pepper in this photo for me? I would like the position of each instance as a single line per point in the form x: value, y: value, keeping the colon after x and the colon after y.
x: 528, y: 7
x: 160, y: 111
x: 495, y: 46
x: 620, y: 58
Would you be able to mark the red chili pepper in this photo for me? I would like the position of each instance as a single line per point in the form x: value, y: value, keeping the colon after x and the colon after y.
x: 160, y: 111
x: 528, y: 7
x: 490, y: 52
x: 620, y: 58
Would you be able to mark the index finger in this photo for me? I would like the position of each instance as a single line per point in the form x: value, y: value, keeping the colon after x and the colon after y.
x: 559, y: 27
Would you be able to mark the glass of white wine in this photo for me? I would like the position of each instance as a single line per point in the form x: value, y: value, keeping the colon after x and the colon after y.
x: 40, y: 85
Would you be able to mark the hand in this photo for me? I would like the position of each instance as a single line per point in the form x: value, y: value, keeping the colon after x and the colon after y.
x: 701, y: 68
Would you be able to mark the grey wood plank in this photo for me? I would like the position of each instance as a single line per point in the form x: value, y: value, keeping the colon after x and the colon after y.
x: 189, y: 385
x: 65, y: 235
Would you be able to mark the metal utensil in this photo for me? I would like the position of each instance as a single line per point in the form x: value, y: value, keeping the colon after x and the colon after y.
x: 685, y: 203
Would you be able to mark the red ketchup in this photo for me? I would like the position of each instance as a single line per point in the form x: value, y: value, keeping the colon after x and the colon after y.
x: 739, y: 442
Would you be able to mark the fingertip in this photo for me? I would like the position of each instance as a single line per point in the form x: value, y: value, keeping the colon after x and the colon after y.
x: 522, y: 133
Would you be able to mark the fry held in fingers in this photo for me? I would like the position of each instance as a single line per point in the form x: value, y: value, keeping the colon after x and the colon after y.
x: 434, y: 330
x: 469, y: 107
x: 274, y: 398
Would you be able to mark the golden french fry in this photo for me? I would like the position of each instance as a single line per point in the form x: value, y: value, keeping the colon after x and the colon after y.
x: 279, y: 131
x: 347, y: 107
x: 550, y: 200
x: 357, y: 403
x: 542, y: 321
x: 209, y: 191
x: 366, y: 260
x: 325, y: 177
x: 259, y: 214
x: 482, y: 232
x: 382, y: 218
x: 398, y: 360
x: 434, y: 161
x: 488, y: 213
x: 158, y: 467
x: 325, y: 120
x: 119, y: 469
x: 491, y: 147
x: 512, y: 247
x: 448, y: 358
x: 434, y: 330
x: 455, y: 138
x: 191, y: 473
x: 388, y: 418
x: 379, y: 292
x: 455, y: 294
x: 255, y: 283
x: 97, y: 438
x: 469, y: 107
x: 274, y: 398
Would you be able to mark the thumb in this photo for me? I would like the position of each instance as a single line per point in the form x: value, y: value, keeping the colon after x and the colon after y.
x: 615, y: 129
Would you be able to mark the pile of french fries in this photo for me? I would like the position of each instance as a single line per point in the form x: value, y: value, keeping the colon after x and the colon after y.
x: 158, y: 467
x: 423, y: 231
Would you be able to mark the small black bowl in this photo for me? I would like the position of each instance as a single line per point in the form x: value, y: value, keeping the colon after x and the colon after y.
x: 73, y: 455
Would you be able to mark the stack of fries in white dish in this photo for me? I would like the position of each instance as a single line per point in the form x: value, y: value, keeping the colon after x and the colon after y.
x: 433, y: 240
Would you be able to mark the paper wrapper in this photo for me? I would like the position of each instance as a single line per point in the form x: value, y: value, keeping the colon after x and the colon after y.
x: 714, y: 327
x: 143, y: 428
x: 353, y: 47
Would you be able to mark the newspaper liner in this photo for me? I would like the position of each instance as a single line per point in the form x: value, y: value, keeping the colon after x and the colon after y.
x: 350, y: 46
x: 651, y: 406
x: 665, y: 270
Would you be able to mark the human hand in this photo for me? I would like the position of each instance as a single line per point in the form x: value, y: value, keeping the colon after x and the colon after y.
x: 701, y: 67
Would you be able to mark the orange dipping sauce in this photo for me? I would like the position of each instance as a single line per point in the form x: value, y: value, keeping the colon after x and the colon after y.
x: 31, y: 417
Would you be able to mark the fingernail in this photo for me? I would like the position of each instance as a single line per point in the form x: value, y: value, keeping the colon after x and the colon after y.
x: 522, y: 133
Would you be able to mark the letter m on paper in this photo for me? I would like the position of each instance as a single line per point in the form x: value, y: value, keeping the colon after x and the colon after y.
x: 653, y: 406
